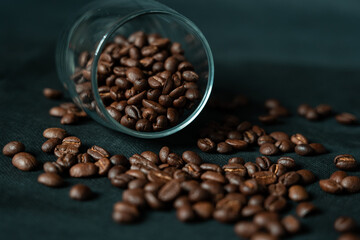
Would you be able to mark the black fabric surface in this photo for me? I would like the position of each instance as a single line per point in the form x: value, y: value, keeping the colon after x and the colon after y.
x: 297, y: 51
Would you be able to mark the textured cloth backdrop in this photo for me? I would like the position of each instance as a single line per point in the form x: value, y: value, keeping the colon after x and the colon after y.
x: 297, y: 51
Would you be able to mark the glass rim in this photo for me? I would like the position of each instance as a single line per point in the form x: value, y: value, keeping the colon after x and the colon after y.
x: 185, y: 122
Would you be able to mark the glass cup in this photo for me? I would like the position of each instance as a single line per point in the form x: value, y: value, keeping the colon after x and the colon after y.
x: 98, y: 24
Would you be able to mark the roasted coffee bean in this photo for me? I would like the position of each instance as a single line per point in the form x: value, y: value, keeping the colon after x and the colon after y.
x: 323, y: 110
x: 97, y: 152
x: 235, y: 168
x: 185, y: 213
x: 349, y: 236
x: 318, y: 148
x: 304, y: 209
x: 265, y: 139
x: 278, y: 169
x: 345, y: 224
x: 49, y: 145
x: 175, y: 160
x: 169, y: 191
x: 351, y: 184
x: 346, y: 119
x: 249, y: 187
x: 242, y: 127
x: 116, y: 170
x: 345, y: 162
x: 198, y: 194
x: 181, y: 201
x: 312, y: 115
x: 115, y: 114
x: 80, y: 192
x: 104, y: 166
x: 285, y: 146
x: 298, y: 193
x: 228, y: 209
x: 51, y: 93
x: 250, y: 137
x: 121, y: 180
x: 83, y: 170
x: 164, y: 153
x: 304, y: 149
x: 338, y: 176
x: 71, y: 141
x: 53, y: 167
x: 251, y: 210
x: 306, y: 176
x: 153, y: 201
x: 256, y: 200
x: 289, y: 178
x: 265, y: 177
x: 213, y: 176
x: 203, y: 209
x: 263, y: 162
x: 234, y: 135
x: 237, y: 144
x: 137, y: 183
x: 136, y: 173
x: 62, y: 150
x: 246, y: 229
x: 298, y: 138
x: 275, y: 228
x: 66, y: 160
x: 268, y: 149
x: 291, y: 224
x: 275, y: 203
x: 330, y: 186
x: 206, y: 145
x: 13, y: 148
x: 238, y: 160
x: 211, y: 167
x: 223, y: 148
x: 262, y: 218
x: 234, y: 179
x: 84, y: 157
x: 159, y: 176
x: 287, y: 162
x: 213, y: 187
x: 268, y: 119
x: 252, y: 168
x: 278, y: 136
x: 231, y: 188
x: 303, y: 109
x: 272, y: 103
x: 24, y: 161
x: 153, y: 187
x: 125, y: 213
x: 151, y: 156
x: 172, y: 116
x: 69, y: 118
x: 57, y: 111
x: 135, y: 197
x: 192, y: 169
x: 191, y: 157
x: 54, y: 133
x: 50, y: 179
x: 277, y: 189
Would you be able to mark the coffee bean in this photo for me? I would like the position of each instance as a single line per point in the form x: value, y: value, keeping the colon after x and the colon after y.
x: 237, y: 144
x: 303, y: 109
x: 49, y: 145
x: 265, y: 139
x: 80, y: 192
x: 278, y: 169
x: 24, y: 161
x: 344, y: 224
x: 83, y: 170
x: 289, y: 178
x: 119, y: 159
x: 211, y: 167
x: 312, y: 115
x: 229, y: 208
x: 104, y: 166
x: 351, y: 184
x: 251, y: 210
x: 206, y: 145
x: 262, y: 218
x: 304, y: 209
x: 121, y: 180
x: 198, y: 194
x: 62, y: 150
x: 50, y: 179
x: 256, y: 200
x: 330, y: 186
x: 285, y: 146
x: 277, y: 189
x: 268, y: 119
x: 291, y: 224
x: 252, y: 168
x: 298, y: 138
x: 318, y: 148
x: 51, y: 93
x: 97, y: 152
x: 84, y: 158
x: 169, y: 191
x: 192, y: 169
x: 213, y: 176
x: 338, y: 176
x: 69, y: 118
x: 348, y: 236
x: 238, y: 160
x: 246, y: 229
x: 265, y: 177
x: 304, y: 149
x: 268, y: 149
x: 136, y: 173
x: 278, y: 136
x: 116, y: 170
x: 54, y: 133
x: 223, y: 148
x: 306, y: 176
x: 249, y: 187
x: 298, y: 193
x: 191, y: 157
x: 263, y: 162
x: 13, y: 148
x: 231, y: 188
x: 275, y: 203
x: 235, y: 168
x: 345, y: 162
x: 137, y: 183
x: 275, y: 228
x: 203, y: 209
x: 135, y: 197
x: 53, y: 167
x: 185, y: 213
x: 66, y: 160
x: 346, y: 119
x: 263, y: 236
x: 323, y: 110
x: 288, y: 162
x: 125, y: 212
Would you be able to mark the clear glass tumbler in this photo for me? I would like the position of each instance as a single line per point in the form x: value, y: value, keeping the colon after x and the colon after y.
x: 98, y: 23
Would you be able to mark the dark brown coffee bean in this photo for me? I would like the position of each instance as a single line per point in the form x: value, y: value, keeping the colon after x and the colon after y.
x: 323, y: 110
x: 175, y: 160
x: 265, y: 177
x: 49, y: 145
x: 128, y: 122
x: 211, y: 167
x: 203, y: 209
x: 215, y: 188
x: 238, y: 160
x: 192, y: 94
x: 206, y: 145
x: 298, y: 138
x: 288, y: 162
x: 251, y: 210
x: 306, y: 176
x: 234, y: 135
x: 181, y: 201
x: 246, y: 229
x: 275, y: 228
x: 278, y: 136
x: 51, y: 93
x: 80, y: 192
x: 104, y: 166
x: 54, y: 133
x: 304, y: 150
x: 192, y: 169
x: 185, y: 213
x: 237, y: 144
x: 125, y: 212
x: 66, y: 160
x: 119, y: 160
x: 53, y: 167
x: 97, y: 152
x: 121, y: 180
x: 298, y: 193
x: 62, y: 150
x: 198, y: 194
x: 268, y: 119
x: 338, y: 176
x: 50, y: 179
x: 256, y: 200
x: 231, y: 188
x: 275, y: 203
x: 348, y: 236
x: 285, y: 146
x: 57, y: 112
x: 268, y: 149
x: 235, y: 168
x: 24, y: 161
x: 83, y: 170
x: 277, y: 189
x: 318, y: 148
x: 272, y: 103
x: 252, y: 168
x: 250, y: 137
x: 164, y: 153
x: 289, y: 178
x: 116, y: 170
x: 153, y: 201
x: 228, y: 209
x: 291, y: 224
x: 137, y: 183
x: 136, y: 173
x: 304, y: 209
x: 154, y: 105
x: 223, y: 147
x: 159, y: 176
x: 263, y: 162
x: 303, y: 109
x: 190, y: 76
x: 169, y: 191
x: 69, y: 118
x: 278, y: 169
x: 135, y: 197
x: 84, y: 157
x: 312, y: 115
x: 351, y: 184
x: 345, y: 224
x: 249, y: 187
x: 262, y: 218
x: 345, y: 162
x: 330, y: 186
x: 346, y: 119
x: 191, y: 157
x: 13, y: 148
x: 265, y: 139
x: 213, y: 176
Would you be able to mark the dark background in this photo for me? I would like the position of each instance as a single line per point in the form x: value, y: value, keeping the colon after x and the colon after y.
x: 297, y: 51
